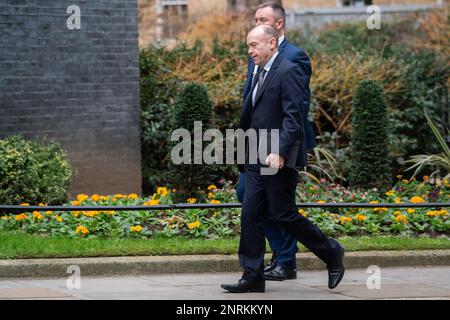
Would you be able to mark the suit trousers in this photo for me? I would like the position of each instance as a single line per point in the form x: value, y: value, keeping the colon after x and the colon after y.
x: 274, y: 195
x: 282, y: 243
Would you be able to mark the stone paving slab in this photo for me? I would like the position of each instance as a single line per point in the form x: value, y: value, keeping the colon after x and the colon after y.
x: 16, y: 268
x: 395, y: 283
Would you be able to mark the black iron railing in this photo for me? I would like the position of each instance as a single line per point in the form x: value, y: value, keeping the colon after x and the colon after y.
x: 11, y: 209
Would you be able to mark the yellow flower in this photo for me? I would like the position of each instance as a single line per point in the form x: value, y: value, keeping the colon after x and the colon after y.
x: 162, y: 191
x: 432, y: 213
x: 153, y: 202
x: 380, y: 209
x: 103, y: 198
x: 401, y: 218
x: 58, y: 218
x: 390, y: 193
x: 214, y: 202
x: 426, y: 178
x: 132, y: 196
x: 399, y: 176
x: 82, y: 197
x: 320, y: 201
x: 174, y: 190
x: 397, y: 213
x: 345, y: 220
x: 411, y: 210
x: 41, y: 204
x: 5, y: 217
x: 303, y: 213
x: 37, y: 215
x: 417, y: 200
x: 136, y: 229
x: 212, y: 187
x: 211, y: 195
x: 48, y: 213
x: 82, y: 229
x: 95, y: 197
x: 191, y: 200
x: 76, y: 203
x: 24, y: 204
x: 76, y: 213
x: 194, y: 225
x: 405, y: 181
x: 398, y: 200
x: 360, y: 217
x: 90, y: 213
x: 21, y: 217
x: 374, y: 202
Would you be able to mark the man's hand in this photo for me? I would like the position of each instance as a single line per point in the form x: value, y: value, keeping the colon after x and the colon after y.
x: 275, y: 161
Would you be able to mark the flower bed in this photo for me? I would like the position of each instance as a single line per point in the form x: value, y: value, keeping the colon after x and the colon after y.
x: 225, y: 222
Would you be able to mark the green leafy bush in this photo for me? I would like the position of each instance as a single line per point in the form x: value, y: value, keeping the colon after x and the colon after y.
x: 33, y: 171
x: 369, y: 149
x: 193, y: 105
x: 408, y: 58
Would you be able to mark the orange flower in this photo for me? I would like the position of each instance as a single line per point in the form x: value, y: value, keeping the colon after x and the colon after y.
x: 82, y: 197
x: 37, y: 215
x: 360, y: 217
x: 21, y: 217
x: 345, y: 220
x: 417, y: 200
x: 401, y: 218
x: 132, y: 196
x: 82, y: 229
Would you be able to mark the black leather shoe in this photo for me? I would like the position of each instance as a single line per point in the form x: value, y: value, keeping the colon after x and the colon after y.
x: 272, y: 263
x: 279, y: 274
x: 244, y: 286
x: 336, y: 272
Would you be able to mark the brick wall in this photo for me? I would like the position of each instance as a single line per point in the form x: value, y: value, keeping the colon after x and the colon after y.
x: 80, y: 87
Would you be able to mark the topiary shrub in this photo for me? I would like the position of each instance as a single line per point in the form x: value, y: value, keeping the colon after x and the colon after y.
x: 369, y: 155
x: 193, y: 104
x: 33, y: 172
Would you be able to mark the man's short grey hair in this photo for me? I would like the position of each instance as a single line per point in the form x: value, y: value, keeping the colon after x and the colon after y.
x: 278, y: 9
x: 270, y: 32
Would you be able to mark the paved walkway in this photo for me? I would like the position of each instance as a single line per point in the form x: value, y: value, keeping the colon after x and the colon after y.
x: 395, y: 283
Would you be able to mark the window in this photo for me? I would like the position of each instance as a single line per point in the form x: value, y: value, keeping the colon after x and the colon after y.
x: 356, y: 3
x: 174, y: 16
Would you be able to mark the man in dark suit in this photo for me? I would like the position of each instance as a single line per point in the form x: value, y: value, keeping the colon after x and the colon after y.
x: 283, y: 264
x: 273, y: 104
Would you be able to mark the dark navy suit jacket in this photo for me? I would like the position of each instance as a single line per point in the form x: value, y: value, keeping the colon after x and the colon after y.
x: 299, y: 57
x: 278, y: 105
